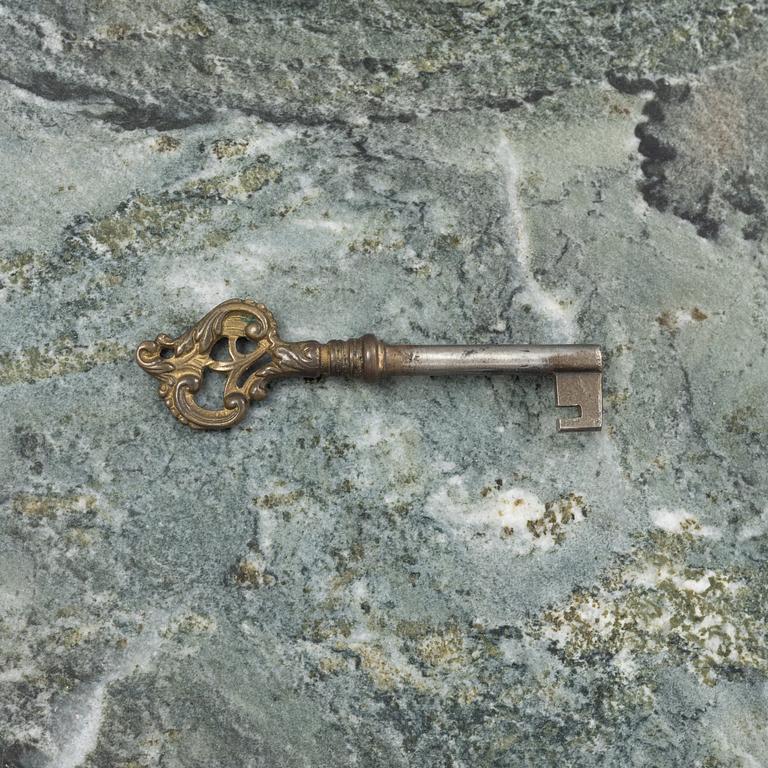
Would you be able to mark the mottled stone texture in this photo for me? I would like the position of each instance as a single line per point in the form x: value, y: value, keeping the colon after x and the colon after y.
x: 420, y: 573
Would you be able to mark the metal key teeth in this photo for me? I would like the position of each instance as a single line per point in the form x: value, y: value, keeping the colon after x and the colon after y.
x: 180, y: 364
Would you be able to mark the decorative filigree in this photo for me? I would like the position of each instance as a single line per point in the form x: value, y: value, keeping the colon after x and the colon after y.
x: 180, y: 364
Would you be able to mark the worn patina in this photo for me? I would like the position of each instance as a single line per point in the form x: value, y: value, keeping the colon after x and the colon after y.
x: 239, y: 340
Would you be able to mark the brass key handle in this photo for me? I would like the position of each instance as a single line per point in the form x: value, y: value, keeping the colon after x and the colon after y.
x: 254, y: 355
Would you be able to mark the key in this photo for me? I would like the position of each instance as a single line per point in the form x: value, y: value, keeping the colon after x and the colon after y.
x: 239, y: 338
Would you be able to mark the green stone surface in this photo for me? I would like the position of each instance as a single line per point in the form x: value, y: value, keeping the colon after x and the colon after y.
x: 419, y: 573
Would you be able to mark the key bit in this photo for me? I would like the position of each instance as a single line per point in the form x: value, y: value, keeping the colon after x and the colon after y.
x: 254, y: 355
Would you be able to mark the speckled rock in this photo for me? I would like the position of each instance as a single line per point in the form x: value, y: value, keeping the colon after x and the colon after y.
x: 419, y: 573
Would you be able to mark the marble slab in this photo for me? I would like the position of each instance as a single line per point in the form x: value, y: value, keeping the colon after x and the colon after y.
x: 422, y: 572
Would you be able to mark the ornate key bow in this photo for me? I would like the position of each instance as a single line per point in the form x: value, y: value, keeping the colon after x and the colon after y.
x: 255, y: 355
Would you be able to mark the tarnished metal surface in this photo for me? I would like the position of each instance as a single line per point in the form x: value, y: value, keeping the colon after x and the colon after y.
x: 180, y: 364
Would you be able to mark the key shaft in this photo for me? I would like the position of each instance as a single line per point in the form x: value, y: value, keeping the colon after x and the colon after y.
x: 490, y: 359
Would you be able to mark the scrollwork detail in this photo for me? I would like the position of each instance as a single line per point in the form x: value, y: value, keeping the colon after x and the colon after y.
x: 180, y: 364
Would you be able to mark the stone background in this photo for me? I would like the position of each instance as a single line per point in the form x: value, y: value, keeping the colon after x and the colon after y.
x: 421, y: 573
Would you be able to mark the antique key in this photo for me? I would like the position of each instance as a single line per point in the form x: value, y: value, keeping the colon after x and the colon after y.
x: 253, y: 355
